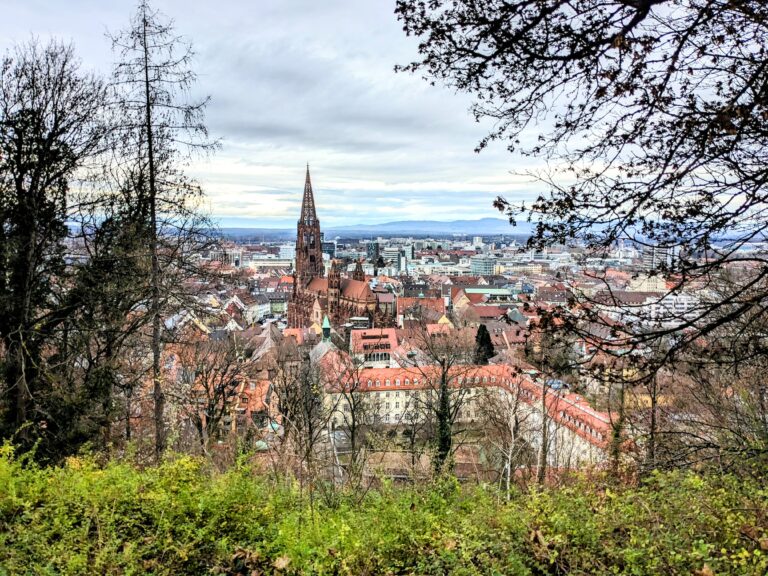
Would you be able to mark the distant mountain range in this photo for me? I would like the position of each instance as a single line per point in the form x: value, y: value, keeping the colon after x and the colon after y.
x: 481, y: 227
x: 484, y: 226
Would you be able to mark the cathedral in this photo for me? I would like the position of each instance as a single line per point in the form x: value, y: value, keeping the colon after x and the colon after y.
x: 316, y: 295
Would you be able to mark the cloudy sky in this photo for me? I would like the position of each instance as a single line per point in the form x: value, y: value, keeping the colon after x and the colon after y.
x: 297, y: 81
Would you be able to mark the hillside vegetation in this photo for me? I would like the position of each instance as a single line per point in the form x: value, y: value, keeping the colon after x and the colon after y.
x: 184, y: 518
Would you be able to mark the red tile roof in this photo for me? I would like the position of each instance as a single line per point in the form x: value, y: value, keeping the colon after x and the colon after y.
x: 406, y: 303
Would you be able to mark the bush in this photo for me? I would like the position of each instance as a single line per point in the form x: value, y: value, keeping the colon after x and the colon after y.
x: 185, y: 518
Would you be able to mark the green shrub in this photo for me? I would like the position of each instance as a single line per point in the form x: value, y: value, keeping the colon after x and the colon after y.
x: 183, y: 517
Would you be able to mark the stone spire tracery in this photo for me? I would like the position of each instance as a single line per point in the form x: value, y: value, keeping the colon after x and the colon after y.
x: 309, y: 251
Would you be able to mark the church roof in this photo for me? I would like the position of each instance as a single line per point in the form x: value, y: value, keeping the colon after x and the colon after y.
x: 318, y: 285
x: 356, y: 290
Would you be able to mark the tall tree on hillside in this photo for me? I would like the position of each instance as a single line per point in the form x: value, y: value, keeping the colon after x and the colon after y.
x: 653, y: 115
x: 161, y: 127
x: 52, y: 129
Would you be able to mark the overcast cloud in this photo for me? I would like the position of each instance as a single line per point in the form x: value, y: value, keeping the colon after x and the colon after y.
x: 296, y: 81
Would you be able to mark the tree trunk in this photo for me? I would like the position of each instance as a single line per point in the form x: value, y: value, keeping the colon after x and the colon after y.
x: 444, y: 432
x: 541, y: 471
x: 652, y: 432
x: 617, y: 428
x: 157, y: 388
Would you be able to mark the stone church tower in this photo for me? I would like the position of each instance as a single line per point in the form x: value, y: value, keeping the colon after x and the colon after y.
x: 309, y: 250
x: 317, y: 298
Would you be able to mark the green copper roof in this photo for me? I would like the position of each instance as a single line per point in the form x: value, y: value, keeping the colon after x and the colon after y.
x: 326, y: 322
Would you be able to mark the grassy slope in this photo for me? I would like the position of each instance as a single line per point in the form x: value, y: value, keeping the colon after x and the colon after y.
x: 180, y: 518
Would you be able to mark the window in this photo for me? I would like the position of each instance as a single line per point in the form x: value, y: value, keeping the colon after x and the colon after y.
x: 407, y: 382
x: 378, y: 382
x: 386, y: 382
x: 369, y: 382
x: 397, y: 381
x: 397, y: 404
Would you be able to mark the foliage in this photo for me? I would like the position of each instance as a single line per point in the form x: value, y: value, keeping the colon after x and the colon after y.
x: 649, y: 121
x: 52, y: 131
x: 483, y: 345
x: 183, y: 517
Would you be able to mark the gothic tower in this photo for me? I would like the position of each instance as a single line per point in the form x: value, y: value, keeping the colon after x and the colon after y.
x: 309, y: 251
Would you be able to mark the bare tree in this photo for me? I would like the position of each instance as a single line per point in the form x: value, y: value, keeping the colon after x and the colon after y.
x: 160, y: 127
x: 299, y: 386
x: 357, y: 412
x: 506, y: 424
x: 651, y: 116
x: 211, y: 372
x: 443, y: 357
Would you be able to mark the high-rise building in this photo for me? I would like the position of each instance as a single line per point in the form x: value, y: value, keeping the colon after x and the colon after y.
x: 659, y: 256
x: 482, y: 265
x: 372, y: 251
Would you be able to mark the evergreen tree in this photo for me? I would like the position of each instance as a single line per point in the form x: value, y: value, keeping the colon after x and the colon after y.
x: 483, y: 346
x: 52, y: 128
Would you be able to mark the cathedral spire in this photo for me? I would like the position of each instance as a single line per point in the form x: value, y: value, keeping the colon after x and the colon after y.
x: 309, y: 253
x: 308, y: 214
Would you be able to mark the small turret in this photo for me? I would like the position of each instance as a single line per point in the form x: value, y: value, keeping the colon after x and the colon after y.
x: 358, y: 274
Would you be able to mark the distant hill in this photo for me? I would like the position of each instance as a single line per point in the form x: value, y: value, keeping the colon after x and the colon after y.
x: 481, y: 227
x: 259, y: 234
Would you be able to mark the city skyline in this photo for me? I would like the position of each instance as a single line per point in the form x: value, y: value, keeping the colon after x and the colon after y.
x: 296, y: 82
